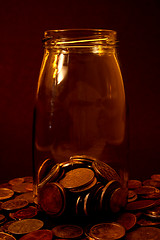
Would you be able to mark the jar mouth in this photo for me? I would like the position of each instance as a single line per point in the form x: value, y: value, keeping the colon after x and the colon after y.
x: 79, y: 37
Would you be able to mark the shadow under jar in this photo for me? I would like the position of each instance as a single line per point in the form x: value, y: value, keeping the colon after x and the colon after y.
x: 79, y: 134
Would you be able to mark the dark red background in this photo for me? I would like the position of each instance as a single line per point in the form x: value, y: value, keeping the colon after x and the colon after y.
x: 22, y: 24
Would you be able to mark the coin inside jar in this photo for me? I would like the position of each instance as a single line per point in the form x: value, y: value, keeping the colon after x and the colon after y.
x: 108, y: 231
x: 104, y: 171
x: 77, y: 178
x: 52, y: 198
x: 67, y: 231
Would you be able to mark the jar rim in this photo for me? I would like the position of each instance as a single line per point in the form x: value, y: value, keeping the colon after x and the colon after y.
x: 82, y: 36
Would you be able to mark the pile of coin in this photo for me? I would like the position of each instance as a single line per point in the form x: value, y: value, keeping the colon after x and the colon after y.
x: 82, y: 187
x: 21, y: 218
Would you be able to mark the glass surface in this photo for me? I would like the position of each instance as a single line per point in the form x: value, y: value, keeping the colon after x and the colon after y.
x: 80, y: 110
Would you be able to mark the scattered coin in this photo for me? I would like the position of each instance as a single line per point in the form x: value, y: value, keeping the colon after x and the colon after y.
x: 42, y: 234
x: 104, y: 171
x: 6, y: 236
x: 140, y: 204
x: 20, y: 188
x: 153, y: 212
x: 14, y: 204
x: 133, y: 184
x: 132, y: 196
x: 2, y: 218
x: 28, y: 179
x: 151, y: 182
x: 25, y: 226
x: 52, y: 198
x: 67, y: 231
x: 127, y: 220
x: 155, y: 195
x: 145, y: 190
x: 77, y: 178
x: 29, y: 187
x: 143, y: 222
x: 156, y: 177
x: 144, y: 233
x: 108, y: 231
x: 16, y: 181
x: 26, y: 196
x: 6, y: 193
x: 29, y: 212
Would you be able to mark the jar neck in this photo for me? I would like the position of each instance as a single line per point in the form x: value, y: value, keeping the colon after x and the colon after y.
x: 94, y: 40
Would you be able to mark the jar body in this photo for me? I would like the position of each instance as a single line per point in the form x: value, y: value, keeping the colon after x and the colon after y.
x: 80, y: 110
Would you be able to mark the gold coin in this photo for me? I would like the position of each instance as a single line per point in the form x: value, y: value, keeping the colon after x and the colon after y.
x: 14, y: 204
x: 6, y: 193
x: 144, y: 233
x: 140, y: 204
x: 6, y: 236
x: 67, y: 231
x: 107, y: 231
x: 104, y: 171
x: 25, y: 226
x: 145, y: 190
x: 76, y: 178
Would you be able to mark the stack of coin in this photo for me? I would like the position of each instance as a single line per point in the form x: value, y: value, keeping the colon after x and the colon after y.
x: 82, y: 186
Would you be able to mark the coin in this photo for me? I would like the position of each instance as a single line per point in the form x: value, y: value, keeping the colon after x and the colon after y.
x: 155, y: 195
x: 144, y: 233
x: 2, y: 218
x: 14, y: 204
x: 42, y: 234
x: 52, y: 198
x: 104, y: 171
x: 145, y: 190
x: 151, y: 182
x: 6, y: 236
x: 29, y: 212
x: 16, y: 181
x: 143, y: 222
x: 76, y: 178
x: 156, y: 177
x: 28, y: 179
x: 25, y: 226
x: 106, y: 194
x: 118, y: 199
x: 85, y: 188
x: 67, y: 231
x: 29, y: 187
x: 133, y: 183
x: 108, y: 231
x: 153, y: 212
x: 51, y: 176
x: 127, y: 220
x: 140, y: 204
x: 90, y: 200
x: 26, y: 196
x: 20, y: 188
x: 6, y: 193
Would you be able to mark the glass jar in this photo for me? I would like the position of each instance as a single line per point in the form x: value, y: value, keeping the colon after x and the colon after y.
x: 79, y: 137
